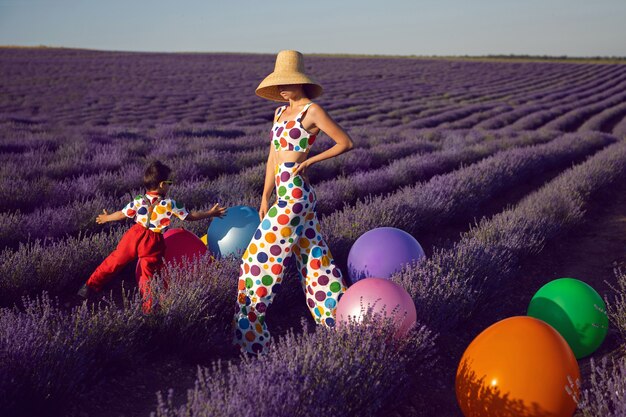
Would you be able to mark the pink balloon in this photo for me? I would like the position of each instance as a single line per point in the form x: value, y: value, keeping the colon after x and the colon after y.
x: 383, y: 296
x: 179, y: 243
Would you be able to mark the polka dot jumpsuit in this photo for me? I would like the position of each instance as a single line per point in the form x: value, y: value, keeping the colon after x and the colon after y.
x: 290, y: 227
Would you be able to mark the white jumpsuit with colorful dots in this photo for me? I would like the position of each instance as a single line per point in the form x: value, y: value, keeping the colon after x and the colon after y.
x: 289, y: 227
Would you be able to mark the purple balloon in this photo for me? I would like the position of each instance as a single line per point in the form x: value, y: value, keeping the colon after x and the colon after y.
x: 382, y: 251
x: 384, y: 297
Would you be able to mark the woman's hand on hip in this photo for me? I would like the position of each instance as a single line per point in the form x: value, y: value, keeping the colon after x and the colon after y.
x: 301, y: 168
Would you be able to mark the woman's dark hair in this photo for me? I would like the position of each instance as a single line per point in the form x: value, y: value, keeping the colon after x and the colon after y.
x: 154, y: 174
x: 307, y: 90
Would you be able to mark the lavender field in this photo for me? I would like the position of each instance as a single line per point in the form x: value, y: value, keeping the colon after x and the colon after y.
x: 510, y: 175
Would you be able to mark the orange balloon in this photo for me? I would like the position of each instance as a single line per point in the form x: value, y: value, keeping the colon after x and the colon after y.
x: 517, y: 367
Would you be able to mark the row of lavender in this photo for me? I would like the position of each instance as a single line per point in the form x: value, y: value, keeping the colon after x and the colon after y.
x: 196, y: 312
x: 63, y: 166
x: 378, y: 169
x: 210, y: 83
x: 305, y: 374
x: 127, y: 88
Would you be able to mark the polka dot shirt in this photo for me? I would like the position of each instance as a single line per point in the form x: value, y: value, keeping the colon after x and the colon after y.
x: 139, y: 208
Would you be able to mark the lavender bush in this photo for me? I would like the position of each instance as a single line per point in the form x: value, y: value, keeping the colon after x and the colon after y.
x: 354, y: 370
x: 195, y: 311
x: 605, y: 393
x: 617, y: 306
x: 56, y: 267
x: 69, y: 351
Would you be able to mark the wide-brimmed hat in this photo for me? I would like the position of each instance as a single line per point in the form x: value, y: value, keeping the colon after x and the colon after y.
x: 289, y: 69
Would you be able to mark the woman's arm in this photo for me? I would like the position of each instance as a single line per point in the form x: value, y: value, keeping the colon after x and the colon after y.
x: 269, y: 169
x: 325, y: 123
x: 268, y: 186
x: 269, y: 174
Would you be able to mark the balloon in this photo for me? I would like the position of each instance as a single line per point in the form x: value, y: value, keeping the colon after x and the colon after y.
x: 384, y: 296
x: 382, y: 251
x: 203, y: 239
x: 179, y: 243
x: 232, y: 233
x: 517, y: 367
x: 575, y: 310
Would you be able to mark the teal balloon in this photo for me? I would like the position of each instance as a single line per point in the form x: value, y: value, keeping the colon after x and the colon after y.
x: 575, y: 310
x: 231, y: 234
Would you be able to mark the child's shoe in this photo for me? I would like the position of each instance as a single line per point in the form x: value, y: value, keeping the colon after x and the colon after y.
x: 85, y: 292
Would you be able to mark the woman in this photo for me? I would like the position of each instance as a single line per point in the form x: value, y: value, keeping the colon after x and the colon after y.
x: 290, y: 224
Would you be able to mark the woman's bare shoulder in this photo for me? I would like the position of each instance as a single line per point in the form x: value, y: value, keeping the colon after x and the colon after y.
x: 316, y: 108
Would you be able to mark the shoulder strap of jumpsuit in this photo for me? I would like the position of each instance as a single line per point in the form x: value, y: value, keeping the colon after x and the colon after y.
x: 306, y: 107
x: 281, y: 109
x: 151, y: 209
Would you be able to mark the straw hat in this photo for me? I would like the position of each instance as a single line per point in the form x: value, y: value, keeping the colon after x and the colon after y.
x: 289, y: 69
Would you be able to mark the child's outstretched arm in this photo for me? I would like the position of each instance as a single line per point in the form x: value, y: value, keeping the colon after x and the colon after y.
x: 215, y: 211
x: 113, y: 217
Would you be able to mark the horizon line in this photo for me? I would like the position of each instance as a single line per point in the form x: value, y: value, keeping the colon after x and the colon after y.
x: 340, y: 54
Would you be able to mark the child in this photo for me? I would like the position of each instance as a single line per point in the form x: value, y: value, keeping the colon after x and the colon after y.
x: 144, y: 240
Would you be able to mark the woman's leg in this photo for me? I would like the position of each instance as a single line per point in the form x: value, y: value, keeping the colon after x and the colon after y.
x: 322, y: 280
x: 261, y: 274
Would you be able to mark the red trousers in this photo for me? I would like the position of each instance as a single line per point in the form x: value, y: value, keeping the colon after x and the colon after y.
x: 137, y: 242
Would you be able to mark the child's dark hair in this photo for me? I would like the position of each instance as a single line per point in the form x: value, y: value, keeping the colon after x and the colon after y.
x: 154, y: 174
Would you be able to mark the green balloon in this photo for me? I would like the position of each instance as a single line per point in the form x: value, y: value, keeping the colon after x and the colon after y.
x: 575, y: 310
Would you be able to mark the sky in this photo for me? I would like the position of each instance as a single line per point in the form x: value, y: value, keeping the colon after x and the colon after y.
x: 387, y: 27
